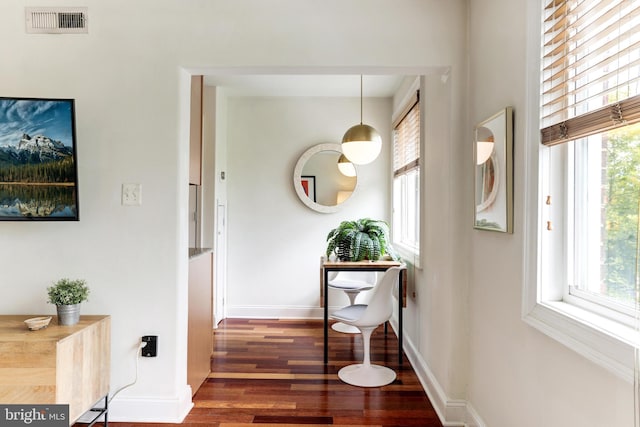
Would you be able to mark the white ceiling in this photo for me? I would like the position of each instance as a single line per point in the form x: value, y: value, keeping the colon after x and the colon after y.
x: 330, y: 85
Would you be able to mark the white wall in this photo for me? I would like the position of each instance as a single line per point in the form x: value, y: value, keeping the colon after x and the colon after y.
x: 220, y: 193
x: 518, y: 376
x: 440, y: 314
x: 129, y: 81
x: 268, y: 224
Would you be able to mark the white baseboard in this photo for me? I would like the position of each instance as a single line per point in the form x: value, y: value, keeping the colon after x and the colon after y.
x: 474, y: 418
x: 276, y: 312
x: 151, y: 409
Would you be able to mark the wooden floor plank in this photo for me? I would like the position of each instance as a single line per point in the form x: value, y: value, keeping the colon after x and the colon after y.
x: 270, y: 373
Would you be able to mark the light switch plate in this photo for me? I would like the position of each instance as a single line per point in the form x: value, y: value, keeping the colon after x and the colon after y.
x: 131, y: 194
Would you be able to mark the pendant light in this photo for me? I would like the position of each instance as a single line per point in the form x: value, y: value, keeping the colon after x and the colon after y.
x: 361, y: 144
x: 345, y: 167
x: 484, y: 149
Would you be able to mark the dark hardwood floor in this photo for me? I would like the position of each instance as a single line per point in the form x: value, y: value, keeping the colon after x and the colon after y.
x: 271, y: 373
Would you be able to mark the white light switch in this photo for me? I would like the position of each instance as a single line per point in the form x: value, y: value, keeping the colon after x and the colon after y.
x: 131, y: 194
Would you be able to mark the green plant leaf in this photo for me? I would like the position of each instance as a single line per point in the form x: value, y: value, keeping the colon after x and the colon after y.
x: 68, y: 292
x: 361, y: 239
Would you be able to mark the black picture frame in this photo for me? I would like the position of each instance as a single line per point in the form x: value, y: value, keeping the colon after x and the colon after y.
x: 38, y: 161
x: 309, y: 186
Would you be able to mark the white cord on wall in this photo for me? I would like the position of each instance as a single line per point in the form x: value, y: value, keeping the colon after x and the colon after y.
x: 135, y: 380
x: 89, y: 416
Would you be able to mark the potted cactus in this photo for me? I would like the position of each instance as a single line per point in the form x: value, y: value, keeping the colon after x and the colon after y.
x: 67, y: 295
x: 363, y: 239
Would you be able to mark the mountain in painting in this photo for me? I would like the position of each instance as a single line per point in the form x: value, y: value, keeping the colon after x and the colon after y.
x: 36, y: 149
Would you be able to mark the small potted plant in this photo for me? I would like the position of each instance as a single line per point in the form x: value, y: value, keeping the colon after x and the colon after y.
x: 363, y: 239
x: 67, y: 295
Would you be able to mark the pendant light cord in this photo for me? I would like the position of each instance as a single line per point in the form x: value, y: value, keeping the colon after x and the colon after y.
x: 360, y: 99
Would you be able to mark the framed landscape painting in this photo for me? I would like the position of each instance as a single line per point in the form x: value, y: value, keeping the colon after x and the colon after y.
x: 38, y: 172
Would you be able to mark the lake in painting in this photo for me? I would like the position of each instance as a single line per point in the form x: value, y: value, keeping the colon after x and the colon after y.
x: 32, y: 201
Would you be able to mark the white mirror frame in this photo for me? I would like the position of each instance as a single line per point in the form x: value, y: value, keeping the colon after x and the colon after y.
x: 297, y: 177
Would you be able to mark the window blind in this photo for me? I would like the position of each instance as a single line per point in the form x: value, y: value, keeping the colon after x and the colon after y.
x: 406, y: 138
x: 590, y: 67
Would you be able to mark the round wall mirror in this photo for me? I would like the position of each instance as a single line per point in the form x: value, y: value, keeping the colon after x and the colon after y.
x: 319, y: 183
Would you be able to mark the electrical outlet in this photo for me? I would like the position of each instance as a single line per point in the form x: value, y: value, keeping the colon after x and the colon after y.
x: 131, y: 194
x: 151, y: 349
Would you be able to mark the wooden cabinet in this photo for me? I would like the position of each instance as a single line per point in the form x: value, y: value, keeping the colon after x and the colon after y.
x: 195, y: 139
x: 200, y: 334
x: 58, y: 364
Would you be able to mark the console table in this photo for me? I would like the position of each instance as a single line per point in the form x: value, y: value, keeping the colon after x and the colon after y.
x: 57, y: 364
x: 327, y: 266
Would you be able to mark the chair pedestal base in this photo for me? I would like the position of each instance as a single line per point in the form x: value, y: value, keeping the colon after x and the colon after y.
x: 367, y: 375
x: 344, y: 328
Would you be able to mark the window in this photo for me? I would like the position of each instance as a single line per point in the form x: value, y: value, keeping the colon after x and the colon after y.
x: 583, y: 290
x: 604, y: 201
x: 406, y: 179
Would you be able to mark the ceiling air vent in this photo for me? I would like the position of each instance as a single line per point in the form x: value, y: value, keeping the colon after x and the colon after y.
x: 56, y: 20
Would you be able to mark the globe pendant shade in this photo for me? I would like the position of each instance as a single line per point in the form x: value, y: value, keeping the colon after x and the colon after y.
x: 484, y: 151
x: 361, y: 144
x: 345, y: 167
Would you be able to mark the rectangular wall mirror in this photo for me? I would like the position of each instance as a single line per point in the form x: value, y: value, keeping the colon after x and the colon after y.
x: 493, y: 159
